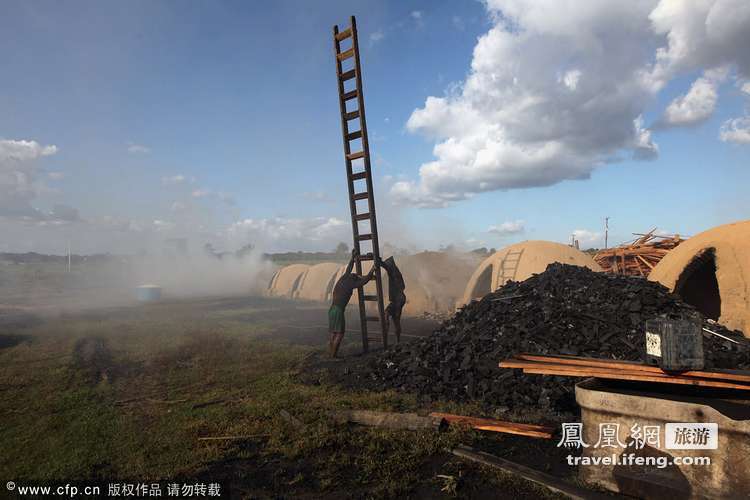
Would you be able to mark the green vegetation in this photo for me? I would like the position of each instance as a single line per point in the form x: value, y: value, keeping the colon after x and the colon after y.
x: 127, y: 393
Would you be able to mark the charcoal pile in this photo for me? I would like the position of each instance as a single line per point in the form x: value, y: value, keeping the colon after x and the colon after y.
x: 565, y: 310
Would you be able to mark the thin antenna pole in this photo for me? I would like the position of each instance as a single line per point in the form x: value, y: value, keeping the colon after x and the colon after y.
x: 68, y: 255
x: 606, y: 231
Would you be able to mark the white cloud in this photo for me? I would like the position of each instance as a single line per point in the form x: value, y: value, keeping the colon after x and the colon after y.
x: 736, y: 130
x: 570, y: 79
x: 18, y: 177
x: 376, y: 37
x: 418, y: 17
x: 21, y: 150
x: 558, y: 88
x: 282, y: 233
x: 138, y: 149
x: 589, y: 239
x: 699, y: 103
x: 318, y: 196
x: 221, y: 196
x: 56, y: 176
x: 700, y: 34
x: 178, y: 206
x: 163, y: 225
x: 508, y: 228
x: 458, y: 23
x: 745, y: 88
x: 173, y: 180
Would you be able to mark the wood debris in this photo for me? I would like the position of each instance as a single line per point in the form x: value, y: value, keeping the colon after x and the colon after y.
x: 638, y: 257
x: 488, y: 424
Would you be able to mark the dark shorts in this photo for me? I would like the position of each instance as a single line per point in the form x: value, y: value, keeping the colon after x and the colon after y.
x: 394, y: 308
x: 336, y: 319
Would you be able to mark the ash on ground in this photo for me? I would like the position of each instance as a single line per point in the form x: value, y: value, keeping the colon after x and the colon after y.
x: 564, y: 310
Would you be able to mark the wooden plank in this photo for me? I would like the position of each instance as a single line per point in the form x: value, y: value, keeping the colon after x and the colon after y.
x: 351, y: 115
x: 355, y: 156
x: 348, y: 75
x: 733, y: 375
x: 359, y: 175
x: 488, y: 424
x: 644, y: 261
x: 352, y: 94
x: 342, y: 56
x: 633, y: 376
x: 542, y: 478
x: 361, y: 196
x: 344, y: 34
x: 357, y: 134
x: 365, y: 216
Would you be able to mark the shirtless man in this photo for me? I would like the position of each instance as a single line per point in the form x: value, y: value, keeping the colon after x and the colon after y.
x: 396, y: 295
x: 342, y: 292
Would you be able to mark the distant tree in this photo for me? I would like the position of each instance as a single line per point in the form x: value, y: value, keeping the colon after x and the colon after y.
x: 342, y: 248
x: 209, y: 249
x: 244, y: 251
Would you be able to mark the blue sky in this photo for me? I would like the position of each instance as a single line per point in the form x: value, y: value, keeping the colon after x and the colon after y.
x: 198, y: 118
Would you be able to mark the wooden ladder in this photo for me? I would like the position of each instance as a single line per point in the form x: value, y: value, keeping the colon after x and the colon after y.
x: 509, y: 267
x: 358, y: 173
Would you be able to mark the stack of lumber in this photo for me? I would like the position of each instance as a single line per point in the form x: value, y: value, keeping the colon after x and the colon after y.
x: 573, y: 366
x: 638, y: 257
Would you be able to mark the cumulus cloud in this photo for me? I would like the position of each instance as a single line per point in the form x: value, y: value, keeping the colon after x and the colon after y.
x: 172, y: 180
x: 699, y: 103
x: 589, y: 239
x: 221, y: 196
x: 283, y: 233
x: 557, y: 89
x: 508, y: 228
x: 138, y: 149
x: 18, y: 177
x: 736, y: 130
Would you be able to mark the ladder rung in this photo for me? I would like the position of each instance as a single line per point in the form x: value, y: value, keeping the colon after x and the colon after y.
x: 367, y: 256
x: 352, y: 94
x: 348, y: 75
x: 363, y: 237
x: 352, y: 115
x: 354, y: 135
x: 342, y: 56
x: 365, y: 216
x: 372, y: 298
x: 372, y: 318
x: 361, y: 196
x: 359, y: 175
x: 355, y: 156
x: 344, y: 34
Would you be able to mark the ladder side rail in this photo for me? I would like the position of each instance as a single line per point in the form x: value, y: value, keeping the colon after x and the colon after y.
x: 350, y: 185
x: 368, y: 180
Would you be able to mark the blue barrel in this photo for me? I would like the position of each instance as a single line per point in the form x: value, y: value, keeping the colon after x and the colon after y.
x: 148, y: 293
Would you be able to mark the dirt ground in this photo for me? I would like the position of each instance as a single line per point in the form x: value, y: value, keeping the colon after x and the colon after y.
x: 128, y: 392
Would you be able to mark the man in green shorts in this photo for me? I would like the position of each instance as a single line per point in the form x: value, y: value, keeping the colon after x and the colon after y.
x: 342, y: 292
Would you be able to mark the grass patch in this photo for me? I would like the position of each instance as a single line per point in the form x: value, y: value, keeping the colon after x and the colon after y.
x: 125, y: 395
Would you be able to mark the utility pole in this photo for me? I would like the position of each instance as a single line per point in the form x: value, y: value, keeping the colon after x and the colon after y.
x: 606, y: 231
x: 68, y: 255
